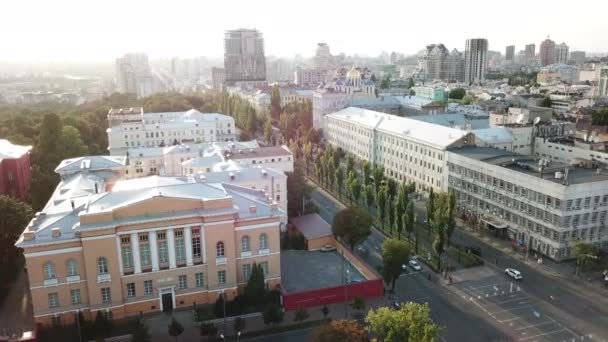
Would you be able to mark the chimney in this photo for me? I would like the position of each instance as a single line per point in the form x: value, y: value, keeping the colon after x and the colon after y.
x: 55, y: 232
x: 253, y: 209
x: 28, y: 235
x: 72, y: 203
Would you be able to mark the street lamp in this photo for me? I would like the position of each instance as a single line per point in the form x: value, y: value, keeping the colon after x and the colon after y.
x: 347, y: 279
x: 238, y: 336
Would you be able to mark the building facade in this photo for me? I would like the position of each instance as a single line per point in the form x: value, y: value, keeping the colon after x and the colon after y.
x: 436, y: 62
x: 602, y: 87
x: 510, y: 54
x: 15, y: 170
x: 244, y: 59
x: 530, y: 53
x: 547, y: 52
x: 125, y: 247
x: 475, y: 60
x: 577, y: 57
x: 129, y: 128
x: 455, y: 66
x: 218, y: 78
x: 562, y: 53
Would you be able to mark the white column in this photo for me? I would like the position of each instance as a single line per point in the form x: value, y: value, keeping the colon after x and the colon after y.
x: 153, y: 250
x: 171, y: 248
x: 188, y: 243
x: 135, y: 252
x: 119, y: 251
x: 203, y: 246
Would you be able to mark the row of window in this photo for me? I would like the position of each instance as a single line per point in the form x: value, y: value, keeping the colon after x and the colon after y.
x: 75, y: 298
x: 50, y: 272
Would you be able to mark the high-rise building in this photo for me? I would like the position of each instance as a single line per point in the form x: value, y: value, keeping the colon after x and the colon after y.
x: 561, y: 53
x: 393, y: 58
x: 218, y: 77
x: 244, y: 59
x: 323, y: 58
x: 602, y: 87
x: 578, y: 57
x: 475, y: 60
x: 436, y: 58
x: 133, y: 75
x: 547, y: 52
x: 510, y: 54
x: 456, y: 66
x: 530, y: 53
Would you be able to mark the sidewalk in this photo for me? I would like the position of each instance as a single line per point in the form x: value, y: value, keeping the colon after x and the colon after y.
x: 158, y: 324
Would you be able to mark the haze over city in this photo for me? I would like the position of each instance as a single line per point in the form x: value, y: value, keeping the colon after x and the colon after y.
x: 98, y: 31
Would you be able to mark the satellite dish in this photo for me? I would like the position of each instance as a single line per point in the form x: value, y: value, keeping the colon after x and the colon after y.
x: 536, y: 120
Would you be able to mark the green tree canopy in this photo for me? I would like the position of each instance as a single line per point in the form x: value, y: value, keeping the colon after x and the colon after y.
x: 15, y: 217
x: 457, y: 93
x: 394, y: 254
x: 411, y: 323
x: 175, y: 328
x: 353, y: 225
x: 272, y: 314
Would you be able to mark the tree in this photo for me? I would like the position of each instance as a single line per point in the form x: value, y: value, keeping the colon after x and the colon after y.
x: 341, y: 331
x: 385, y: 83
x: 101, y: 325
x: 273, y: 314
x: 440, y: 222
x: 268, y: 131
x: 297, y: 189
x: 381, y: 199
x: 450, y: 219
x: 15, y: 217
x: 378, y: 177
x: 367, y: 170
x: 218, y: 307
x: 399, y: 212
x: 584, y: 252
x: 350, y: 163
x: 355, y: 189
x: 457, y: 94
x: 409, y: 219
x: 175, y: 328
x: 307, y: 151
x: 140, y: 334
x: 411, y: 323
x: 301, y: 315
x: 467, y: 100
x: 255, y: 290
x: 339, y: 176
x: 394, y: 254
x: 391, y: 185
x: 430, y: 209
x: 369, y: 196
x: 412, y: 92
x: 208, y: 330
x: 70, y: 144
x: 331, y: 172
x: 411, y: 83
x: 353, y: 225
x: 391, y: 213
x: 313, y: 136
x: 275, y: 102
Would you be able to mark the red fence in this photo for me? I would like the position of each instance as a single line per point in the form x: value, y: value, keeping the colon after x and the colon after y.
x: 330, y: 295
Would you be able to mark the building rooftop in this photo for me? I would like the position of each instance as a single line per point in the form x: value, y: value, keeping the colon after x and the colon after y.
x: 9, y: 150
x: 258, y: 152
x: 423, y: 132
x: 312, y: 226
x: 530, y: 167
x: 455, y: 120
x: 494, y: 135
x: 415, y: 101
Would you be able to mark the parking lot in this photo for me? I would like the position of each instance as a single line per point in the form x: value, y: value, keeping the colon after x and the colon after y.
x: 506, y: 301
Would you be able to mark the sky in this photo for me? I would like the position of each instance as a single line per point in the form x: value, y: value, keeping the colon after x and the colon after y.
x: 58, y: 31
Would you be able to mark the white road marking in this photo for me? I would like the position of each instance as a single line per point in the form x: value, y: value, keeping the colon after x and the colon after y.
x: 533, y: 325
x: 512, y: 309
x: 543, y: 334
x: 509, y: 320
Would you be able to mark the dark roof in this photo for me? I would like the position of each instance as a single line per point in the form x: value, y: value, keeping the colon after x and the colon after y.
x: 258, y: 152
x: 312, y: 226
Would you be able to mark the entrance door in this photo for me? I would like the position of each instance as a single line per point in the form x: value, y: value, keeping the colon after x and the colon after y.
x: 167, y: 299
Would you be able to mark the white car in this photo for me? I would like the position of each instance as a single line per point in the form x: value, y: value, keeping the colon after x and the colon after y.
x: 328, y: 248
x: 513, y: 273
x: 415, y: 265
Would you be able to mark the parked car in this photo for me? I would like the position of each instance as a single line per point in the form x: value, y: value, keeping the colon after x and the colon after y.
x: 415, y: 265
x: 473, y: 250
x: 328, y: 248
x: 513, y: 273
x: 362, y: 250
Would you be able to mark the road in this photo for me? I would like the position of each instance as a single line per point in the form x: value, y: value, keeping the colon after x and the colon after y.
x: 448, y: 310
x: 304, y: 335
x: 582, y: 310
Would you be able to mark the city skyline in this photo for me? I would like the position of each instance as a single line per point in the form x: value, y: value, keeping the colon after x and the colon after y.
x: 84, y: 34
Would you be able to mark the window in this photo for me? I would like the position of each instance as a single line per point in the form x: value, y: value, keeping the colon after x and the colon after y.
x: 246, y: 271
x: 49, y: 271
x: 200, y: 279
x: 75, y: 296
x: 263, y: 241
x: 127, y: 256
x: 221, y: 277
x: 106, y: 297
x: 245, y: 245
x: 131, y: 290
x: 180, y: 250
x: 182, y: 282
x: 264, y: 266
x: 102, y: 265
x: 196, y: 247
x: 163, y: 251
x: 144, y: 254
x: 72, y: 267
x: 219, y: 249
x: 53, y: 300
x: 148, y: 287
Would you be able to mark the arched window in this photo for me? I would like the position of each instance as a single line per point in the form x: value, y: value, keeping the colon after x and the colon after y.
x: 219, y: 249
x: 49, y: 271
x: 102, y: 265
x: 263, y: 241
x: 245, y: 245
x: 72, y: 267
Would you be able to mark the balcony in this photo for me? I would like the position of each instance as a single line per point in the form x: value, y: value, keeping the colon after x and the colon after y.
x: 104, y: 278
x: 245, y: 254
x: 220, y: 260
x: 73, y: 279
x: 264, y: 251
x: 50, y: 282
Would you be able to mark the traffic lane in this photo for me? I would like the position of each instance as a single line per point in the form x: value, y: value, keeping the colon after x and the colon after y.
x: 451, y: 313
x: 556, y: 294
x: 303, y: 335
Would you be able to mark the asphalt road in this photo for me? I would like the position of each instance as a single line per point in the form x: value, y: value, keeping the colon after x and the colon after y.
x: 304, y: 335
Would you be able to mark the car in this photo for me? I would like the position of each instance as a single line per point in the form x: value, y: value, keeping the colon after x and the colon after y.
x: 328, y: 248
x: 362, y: 251
x: 396, y: 306
x: 513, y: 273
x: 415, y: 265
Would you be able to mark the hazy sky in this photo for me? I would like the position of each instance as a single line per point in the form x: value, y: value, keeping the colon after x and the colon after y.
x: 96, y: 30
